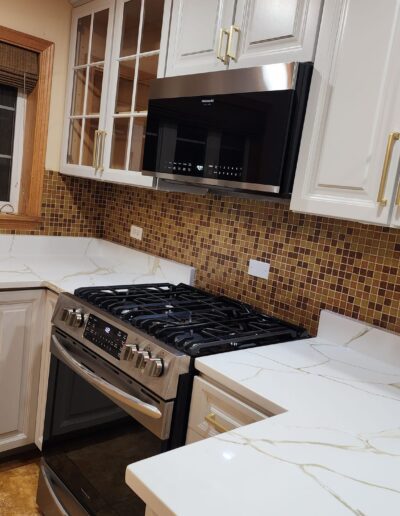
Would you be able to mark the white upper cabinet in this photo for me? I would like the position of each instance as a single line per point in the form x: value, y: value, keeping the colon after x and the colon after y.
x: 134, y: 63
x: 218, y: 34
x: 198, y: 35
x: 273, y: 31
x: 86, y: 100
x: 349, y: 155
x: 114, y: 55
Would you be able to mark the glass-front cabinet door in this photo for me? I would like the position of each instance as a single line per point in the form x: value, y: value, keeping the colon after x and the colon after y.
x: 90, y: 53
x: 134, y: 62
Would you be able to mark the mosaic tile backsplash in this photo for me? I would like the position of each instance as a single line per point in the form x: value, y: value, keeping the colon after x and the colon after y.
x: 316, y: 262
x: 70, y: 207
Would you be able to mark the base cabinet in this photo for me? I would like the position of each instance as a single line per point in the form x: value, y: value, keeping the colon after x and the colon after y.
x: 21, y: 333
x: 214, y: 411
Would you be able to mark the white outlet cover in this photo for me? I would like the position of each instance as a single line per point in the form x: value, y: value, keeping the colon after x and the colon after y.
x: 259, y: 269
x: 136, y: 232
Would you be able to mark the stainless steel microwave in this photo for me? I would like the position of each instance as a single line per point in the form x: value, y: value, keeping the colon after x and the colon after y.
x: 235, y: 129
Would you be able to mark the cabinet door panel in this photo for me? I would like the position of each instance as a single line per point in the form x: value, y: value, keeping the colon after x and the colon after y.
x: 134, y: 65
x: 86, y: 94
x: 195, y: 33
x: 20, y: 346
x: 274, y: 31
x: 352, y: 109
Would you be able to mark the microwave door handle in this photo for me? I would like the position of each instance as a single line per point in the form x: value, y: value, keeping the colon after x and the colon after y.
x: 104, y: 386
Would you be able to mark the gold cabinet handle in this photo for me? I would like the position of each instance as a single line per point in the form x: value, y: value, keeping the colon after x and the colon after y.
x: 393, y: 137
x: 232, y: 30
x: 95, y: 149
x: 222, y: 57
x: 398, y: 195
x: 210, y: 418
x: 100, y: 164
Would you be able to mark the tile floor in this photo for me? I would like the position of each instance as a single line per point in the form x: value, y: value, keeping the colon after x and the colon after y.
x: 18, y: 483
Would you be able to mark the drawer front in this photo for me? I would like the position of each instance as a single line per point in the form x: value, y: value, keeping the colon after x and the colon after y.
x: 213, y: 411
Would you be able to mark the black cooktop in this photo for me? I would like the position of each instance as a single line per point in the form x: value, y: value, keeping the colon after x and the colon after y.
x: 191, y: 320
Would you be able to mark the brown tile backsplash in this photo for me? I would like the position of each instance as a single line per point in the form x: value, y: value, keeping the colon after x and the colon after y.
x: 70, y: 207
x: 316, y: 262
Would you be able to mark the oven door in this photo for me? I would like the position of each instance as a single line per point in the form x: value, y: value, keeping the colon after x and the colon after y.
x: 98, y: 420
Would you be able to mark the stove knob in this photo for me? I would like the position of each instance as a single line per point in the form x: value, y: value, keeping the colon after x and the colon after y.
x: 77, y: 319
x: 128, y: 351
x: 66, y: 315
x: 139, y: 358
x: 154, y: 367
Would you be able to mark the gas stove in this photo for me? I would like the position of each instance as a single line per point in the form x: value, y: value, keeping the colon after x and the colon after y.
x: 120, y: 382
x: 153, y: 332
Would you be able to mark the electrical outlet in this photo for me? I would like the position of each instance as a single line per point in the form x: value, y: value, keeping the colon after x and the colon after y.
x: 258, y: 269
x: 136, y: 232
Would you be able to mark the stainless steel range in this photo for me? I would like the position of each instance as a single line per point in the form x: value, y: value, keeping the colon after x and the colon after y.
x: 120, y: 382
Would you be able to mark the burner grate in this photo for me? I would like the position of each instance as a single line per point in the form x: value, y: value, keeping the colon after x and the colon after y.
x: 193, y: 321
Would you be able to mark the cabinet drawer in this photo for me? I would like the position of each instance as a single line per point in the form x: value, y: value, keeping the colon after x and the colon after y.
x: 214, y: 411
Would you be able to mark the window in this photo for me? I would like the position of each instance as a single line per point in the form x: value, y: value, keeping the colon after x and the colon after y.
x: 26, y: 66
x: 12, y: 118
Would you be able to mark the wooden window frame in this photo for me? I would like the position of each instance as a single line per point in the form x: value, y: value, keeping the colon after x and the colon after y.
x: 36, y: 124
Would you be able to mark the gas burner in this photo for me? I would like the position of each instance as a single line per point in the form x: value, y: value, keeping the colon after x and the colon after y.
x: 191, y: 320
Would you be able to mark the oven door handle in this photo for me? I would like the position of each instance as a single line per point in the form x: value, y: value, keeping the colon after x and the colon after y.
x: 104, y: 386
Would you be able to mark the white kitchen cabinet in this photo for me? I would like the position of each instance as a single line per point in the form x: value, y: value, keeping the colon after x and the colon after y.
x: 134, y: 63
x: 198, y: 34
x: 219, y: 34
x: 214, y: 411
x: 353, y: 108
x: 274, y: 31
x: 21, y: 331
x: 107, y: 91
x: 48, y: 310
x: 86, y: 94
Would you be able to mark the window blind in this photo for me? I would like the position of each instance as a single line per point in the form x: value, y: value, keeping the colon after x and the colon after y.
x: 18, y: 67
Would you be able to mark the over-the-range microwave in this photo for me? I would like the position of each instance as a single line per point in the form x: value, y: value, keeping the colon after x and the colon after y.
x: 236, y: 129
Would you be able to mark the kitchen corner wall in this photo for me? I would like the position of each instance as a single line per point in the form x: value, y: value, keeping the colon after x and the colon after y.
x: 316, y: 262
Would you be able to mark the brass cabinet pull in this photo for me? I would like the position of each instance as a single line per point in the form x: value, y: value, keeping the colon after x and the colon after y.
x: 229, y: 53
x: 210, y: 418
x: 100, y: 164
x: 95, y: 149
x: 398, y: 195
x: 393, y: 137
x: 223, y: 57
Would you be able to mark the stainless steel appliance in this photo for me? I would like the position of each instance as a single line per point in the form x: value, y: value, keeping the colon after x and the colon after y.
x: 120, y: 382
x: 235, y: 129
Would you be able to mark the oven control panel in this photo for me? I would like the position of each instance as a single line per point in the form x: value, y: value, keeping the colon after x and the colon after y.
x: 105, y: 336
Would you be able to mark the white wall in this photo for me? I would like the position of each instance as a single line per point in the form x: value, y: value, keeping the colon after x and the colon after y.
x: 47, y: 19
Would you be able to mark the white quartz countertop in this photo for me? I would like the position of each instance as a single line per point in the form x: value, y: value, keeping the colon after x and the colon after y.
x: 66, y: 263
x: 333, y: 448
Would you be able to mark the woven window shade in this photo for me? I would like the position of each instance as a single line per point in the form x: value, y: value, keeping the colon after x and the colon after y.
x: 18, y: 67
